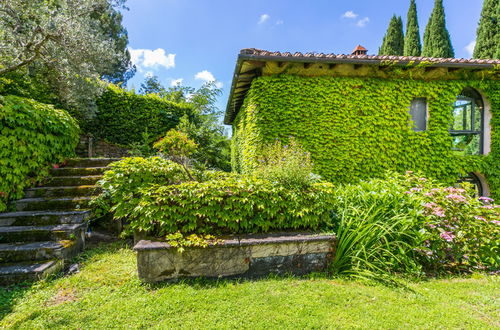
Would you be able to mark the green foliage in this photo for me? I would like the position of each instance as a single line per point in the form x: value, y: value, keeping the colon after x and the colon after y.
x: 488, y: 32
x: 288, y: 165
x: 124, y: 116
x: 176, y: 144
x: 412, y: 45
x: 121, y: 185
x: 64, y: 47
x: 236, y: 204
x: 393, y: 43
x: 437, y: 42
x: 155, y: 196
x: 33, y: 136
x: 410, y: 224
x: 181, y: 241
x: 459, y: 231
x: 358, y: 128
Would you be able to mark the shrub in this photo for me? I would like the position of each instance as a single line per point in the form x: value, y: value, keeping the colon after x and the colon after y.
x: 459, y: 231
x: 286, y: 164
x: 33, y: 136
x: 121, y: 185
x: 225, y: 204
x: 407, y: 224
x: 124, y: 116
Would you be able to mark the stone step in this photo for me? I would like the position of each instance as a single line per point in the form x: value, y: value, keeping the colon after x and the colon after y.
x: 25, y: 234
x: 90, y: 162
x: 58, y: 181
x: 78, y: 171
x: 44, y: 218
x: 53, y: 204
x: 37, y: 251
x: 62, y: 191
x: 28, y: 271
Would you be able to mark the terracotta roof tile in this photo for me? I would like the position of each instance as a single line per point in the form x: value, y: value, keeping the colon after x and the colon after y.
x: 310, y: 55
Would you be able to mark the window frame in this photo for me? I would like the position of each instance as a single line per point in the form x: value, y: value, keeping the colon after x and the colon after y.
x: 414, y: 126
x: 472, y: 96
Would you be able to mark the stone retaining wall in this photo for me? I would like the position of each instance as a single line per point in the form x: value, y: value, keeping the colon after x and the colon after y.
x: 249, y: 256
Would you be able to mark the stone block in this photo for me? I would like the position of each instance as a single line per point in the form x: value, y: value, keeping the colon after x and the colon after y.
x: 244, y: 256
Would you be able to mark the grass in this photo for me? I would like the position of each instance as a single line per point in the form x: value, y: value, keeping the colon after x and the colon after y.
x: 107, y: 294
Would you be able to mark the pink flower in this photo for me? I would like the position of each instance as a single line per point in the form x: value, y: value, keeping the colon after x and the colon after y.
x: 409, y: 172
x: 488, y: 207
x: 415, y: 189
x: 447, y: 236
x: 486, y: 199
x: 496, y: 222
x: 432, y: 226
x: 430, y: 205
x: 439, y: 212
x: 457, y: 198
x: 478, y: 217
x: 428, y: 194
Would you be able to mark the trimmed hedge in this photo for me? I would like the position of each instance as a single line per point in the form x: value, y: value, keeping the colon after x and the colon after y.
x: 123, y: 116
x: 33, y: 136
x: 359, y: 128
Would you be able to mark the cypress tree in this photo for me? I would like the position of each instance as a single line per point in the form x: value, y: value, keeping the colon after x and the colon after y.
x: 412, y: 46
x: 437, y: 41
x: 393, y: 43
x: 488, y: 34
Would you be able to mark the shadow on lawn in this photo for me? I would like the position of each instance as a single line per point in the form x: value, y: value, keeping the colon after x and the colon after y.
x: 9, y: 295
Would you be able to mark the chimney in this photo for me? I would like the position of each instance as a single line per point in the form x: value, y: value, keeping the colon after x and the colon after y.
x: 359, y: 50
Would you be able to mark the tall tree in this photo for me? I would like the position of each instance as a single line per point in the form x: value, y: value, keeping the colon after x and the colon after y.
x: 437, y: 42
x: 110, y: 22
x: 488, y: 31
x: 412, y: 46
x: 393, y: 43
x: 62, y: 45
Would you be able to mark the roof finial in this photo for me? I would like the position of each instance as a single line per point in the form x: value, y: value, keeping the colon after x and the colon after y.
x: 359, y: 50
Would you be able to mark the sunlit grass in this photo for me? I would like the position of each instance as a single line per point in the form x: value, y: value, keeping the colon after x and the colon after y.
x: 107, y: 294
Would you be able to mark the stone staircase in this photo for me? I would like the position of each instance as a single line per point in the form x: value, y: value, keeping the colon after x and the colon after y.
x: 48, y: 226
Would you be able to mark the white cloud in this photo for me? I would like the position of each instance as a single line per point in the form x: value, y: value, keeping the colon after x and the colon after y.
x: 147, y: 58
x: 207, y: 76
x: 470, y: 47
x: 362, y: 22
x: 279, y: 22
x: 176, y: 82
x: 349, y: 14
x: 263, y: 18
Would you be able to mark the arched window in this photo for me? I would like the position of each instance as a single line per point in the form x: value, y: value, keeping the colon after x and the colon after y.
x: 467, y: 124
x: 473, y: 179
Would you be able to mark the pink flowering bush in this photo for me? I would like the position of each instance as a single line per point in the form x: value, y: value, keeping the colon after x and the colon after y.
x: 459, y: 231
x: 408, y: 224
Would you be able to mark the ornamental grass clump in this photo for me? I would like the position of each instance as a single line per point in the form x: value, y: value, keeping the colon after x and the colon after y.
x: 288, y: 165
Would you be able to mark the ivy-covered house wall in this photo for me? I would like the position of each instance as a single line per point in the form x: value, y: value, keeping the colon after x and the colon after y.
x: 360, y: 127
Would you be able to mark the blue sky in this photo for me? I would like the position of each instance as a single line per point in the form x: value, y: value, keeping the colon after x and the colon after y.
x: 191, y: 41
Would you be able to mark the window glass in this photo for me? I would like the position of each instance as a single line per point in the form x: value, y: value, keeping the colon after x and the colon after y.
x: 466, y: 124
x: 418, y: 113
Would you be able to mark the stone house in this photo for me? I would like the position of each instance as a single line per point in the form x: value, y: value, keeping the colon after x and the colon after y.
x: 361, y: 115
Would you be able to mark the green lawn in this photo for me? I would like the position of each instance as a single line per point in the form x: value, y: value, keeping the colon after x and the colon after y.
x: 107, y: 293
